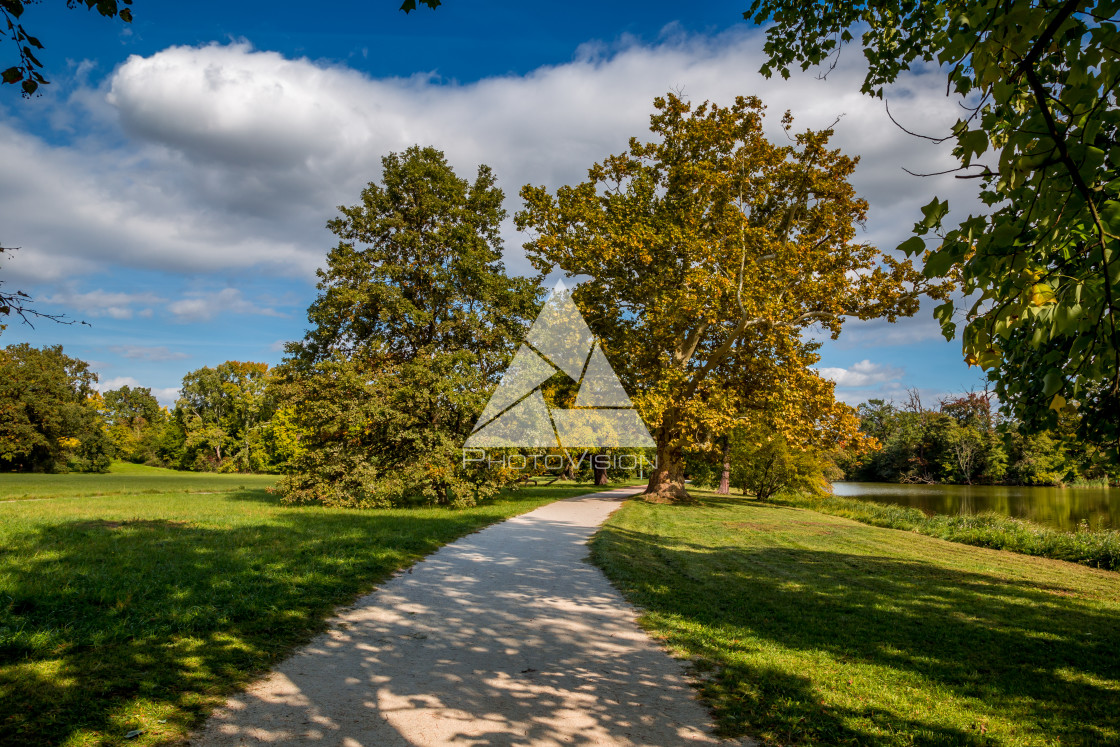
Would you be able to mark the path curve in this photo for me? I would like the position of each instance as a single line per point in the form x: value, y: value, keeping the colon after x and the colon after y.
x: 505, y: 637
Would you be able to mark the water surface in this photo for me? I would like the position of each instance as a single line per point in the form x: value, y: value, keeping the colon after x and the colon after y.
x: 1062, y: 508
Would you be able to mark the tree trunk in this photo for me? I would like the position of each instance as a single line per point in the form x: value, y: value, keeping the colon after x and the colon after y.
x: 725, y: 476
x: 666, y: 480
x: 599, y: 471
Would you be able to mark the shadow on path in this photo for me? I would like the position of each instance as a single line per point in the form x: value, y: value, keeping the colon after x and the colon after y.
x: 504, y: 637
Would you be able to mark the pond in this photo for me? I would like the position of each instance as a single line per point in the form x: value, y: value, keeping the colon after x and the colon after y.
x: 1061, y: 508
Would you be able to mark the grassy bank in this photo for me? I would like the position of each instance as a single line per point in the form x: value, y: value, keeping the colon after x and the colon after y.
x: 813, y: 629
x: 142, y: 605
x: 1097, y: 548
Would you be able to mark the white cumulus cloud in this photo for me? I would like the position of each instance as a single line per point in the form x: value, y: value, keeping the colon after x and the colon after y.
x: 166, y: 395
x: 116, y: 383
x: 234, y: 158
x: 862, y: 374
x: 204, y: 306
x: 112, y: 304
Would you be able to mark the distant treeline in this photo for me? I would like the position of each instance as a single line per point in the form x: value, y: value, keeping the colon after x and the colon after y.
x: 964, y: 440
x: 52, y: 418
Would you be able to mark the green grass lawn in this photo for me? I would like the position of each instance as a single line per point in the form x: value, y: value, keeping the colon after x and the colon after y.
x: 135, y: 604
x: 1097, y: 548
x: 815, y: 629
x: 124, y: 478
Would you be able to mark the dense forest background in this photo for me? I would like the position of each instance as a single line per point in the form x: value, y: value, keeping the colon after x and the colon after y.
x: 965, y: 440
x: 233, y: 418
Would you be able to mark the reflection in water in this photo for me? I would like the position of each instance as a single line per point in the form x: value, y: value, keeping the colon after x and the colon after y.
x: 1062, y: 508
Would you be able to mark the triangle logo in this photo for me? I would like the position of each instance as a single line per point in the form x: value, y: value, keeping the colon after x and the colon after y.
x: 559, y: 341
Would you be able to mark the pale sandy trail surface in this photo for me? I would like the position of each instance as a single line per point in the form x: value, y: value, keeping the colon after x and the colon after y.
x: 505, y: 637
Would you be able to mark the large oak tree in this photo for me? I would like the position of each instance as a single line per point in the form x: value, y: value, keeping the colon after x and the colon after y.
x: 712, y: 251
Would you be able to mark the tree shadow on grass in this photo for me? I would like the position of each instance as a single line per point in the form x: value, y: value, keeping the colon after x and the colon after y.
x: 1008, y: 644
x: 94, y: 614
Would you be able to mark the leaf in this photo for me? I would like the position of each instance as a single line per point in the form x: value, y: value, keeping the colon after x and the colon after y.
x: 12, y: 75
x: 911, y: 246
x: 1052, y: 382
x: 934, y: 212
x: 972, y: 142
x: 1110, y: 216
x: 937, y: 264
x: 134, y: 733
x: 1058, y: 402
x: 1042, y: 294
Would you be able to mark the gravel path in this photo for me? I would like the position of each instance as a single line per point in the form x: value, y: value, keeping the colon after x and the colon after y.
x: 505, y: 637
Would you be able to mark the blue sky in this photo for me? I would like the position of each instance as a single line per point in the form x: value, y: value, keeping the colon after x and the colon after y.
x: 172, y: 186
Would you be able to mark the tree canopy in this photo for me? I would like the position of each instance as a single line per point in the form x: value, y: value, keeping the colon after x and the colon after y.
x: 223, y: 413
x: 134, y: 423
x: 712, y: 250
x: 414, y: 323
x: 1040, y: 269
x: 49, y: 420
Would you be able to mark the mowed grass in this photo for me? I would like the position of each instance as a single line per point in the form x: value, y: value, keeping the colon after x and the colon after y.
x: 812, y: 629
x: 126, y: 610
x: 124, y: 478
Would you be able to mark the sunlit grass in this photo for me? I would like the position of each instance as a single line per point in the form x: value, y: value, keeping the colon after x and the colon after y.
x: 143, y: 606
x: 123, y: 478
x: 814, y: 629
x: 1098, y: 548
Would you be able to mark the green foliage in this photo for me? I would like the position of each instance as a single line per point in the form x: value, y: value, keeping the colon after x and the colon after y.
x: 763, y: 464
x: 48, y: 415
x: 223, y: 416
x: 413, y: 326
x: 375, y: 440
x: 961, y: 442
x: 134, y: 424
x: 1040, y: 270
x: 1038, y: 459
x: 809, y: 629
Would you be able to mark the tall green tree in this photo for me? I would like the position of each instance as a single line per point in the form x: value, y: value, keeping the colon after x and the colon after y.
x: 712, y: 251
x: 1040, y: 268
x: 49, y: 421
x: 414, y: 323
x: 134, y: 422
x: 223, y: 412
